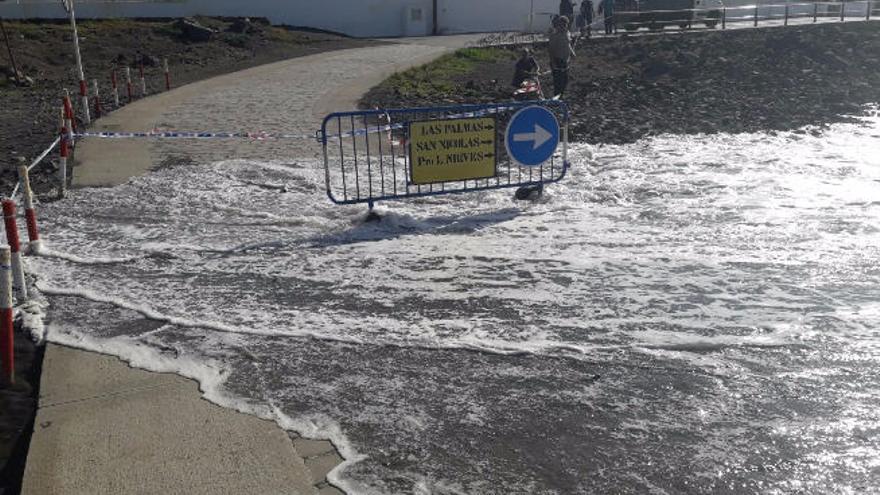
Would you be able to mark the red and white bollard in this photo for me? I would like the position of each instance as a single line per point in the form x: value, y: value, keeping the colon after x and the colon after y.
x: 83, y: 88
x: 30, y: 215
x: 143, y: 81
x: 18, y: 282
x: 115, y: 88
x: 97, y: 99
x: 84, y: 96
x: 167, y: 76
x: 62, y: 160
x: 128, y: 83
x: 68, y: 113
x: 7, y: 343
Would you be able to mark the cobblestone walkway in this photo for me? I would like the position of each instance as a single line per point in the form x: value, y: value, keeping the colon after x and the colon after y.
x: 289, y: 97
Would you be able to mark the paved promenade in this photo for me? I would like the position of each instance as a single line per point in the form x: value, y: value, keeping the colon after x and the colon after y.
x: 105, y: 428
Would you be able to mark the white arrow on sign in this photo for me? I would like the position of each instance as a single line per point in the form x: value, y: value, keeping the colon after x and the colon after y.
x: 539, y: 137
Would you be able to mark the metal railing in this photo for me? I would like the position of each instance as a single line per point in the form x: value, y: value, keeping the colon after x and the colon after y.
x: 753, y: 14
x: 723, y: 16
x: 368, y: 155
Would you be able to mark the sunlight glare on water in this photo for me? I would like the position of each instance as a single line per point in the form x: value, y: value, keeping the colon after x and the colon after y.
x: 683, y: 314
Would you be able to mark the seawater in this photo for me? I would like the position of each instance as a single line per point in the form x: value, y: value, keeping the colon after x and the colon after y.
x: 687, y: 314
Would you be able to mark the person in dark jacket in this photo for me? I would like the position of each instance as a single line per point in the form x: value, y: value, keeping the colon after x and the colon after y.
x: 606, y: 7
x: 526, y: 68
x: 585, y: 18
x: 559, y: 46
x: 566, y: 8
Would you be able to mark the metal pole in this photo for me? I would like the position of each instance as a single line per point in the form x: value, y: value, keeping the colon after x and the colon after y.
x: 815, y: 11
x: 786, y: 13
x: 12, y: 57
x: 83, y: 87
x: 842, y: 10
x: 868, y: 10
x: 532, y: 17
x: 756, y: 15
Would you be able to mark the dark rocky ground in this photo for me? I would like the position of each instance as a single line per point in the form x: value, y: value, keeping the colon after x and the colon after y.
x: 44, y: 53
x: 626, y: 88
x: 28, y: 123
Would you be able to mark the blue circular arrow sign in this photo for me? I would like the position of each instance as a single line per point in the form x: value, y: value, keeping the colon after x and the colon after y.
x: 532, y: 136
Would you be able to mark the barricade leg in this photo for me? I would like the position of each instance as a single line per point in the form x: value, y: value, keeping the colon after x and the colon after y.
x: 18, y: 282
x: 7, y: 344
x: 30, y: 214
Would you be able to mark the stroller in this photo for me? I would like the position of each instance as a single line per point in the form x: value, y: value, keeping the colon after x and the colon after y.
x: 529, y: 89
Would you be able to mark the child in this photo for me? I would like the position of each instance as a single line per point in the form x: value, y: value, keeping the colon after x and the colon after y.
x: 526, y: 68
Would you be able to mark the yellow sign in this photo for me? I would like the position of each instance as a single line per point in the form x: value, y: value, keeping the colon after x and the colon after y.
x: 449, y: 150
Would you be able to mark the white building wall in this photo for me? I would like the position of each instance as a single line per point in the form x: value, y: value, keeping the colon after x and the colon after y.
x: 475, y: 16
x: 366, y: 18
x: 363, y: 18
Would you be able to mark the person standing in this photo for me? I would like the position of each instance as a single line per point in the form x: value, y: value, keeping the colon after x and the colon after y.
x: 606, y: 7
x: 585, y: 18
x: 561, y: 52
x: 566, y: 9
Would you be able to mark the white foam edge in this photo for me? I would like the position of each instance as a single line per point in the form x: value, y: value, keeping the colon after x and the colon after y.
x: 660, y: 341
x: 491, y: 347
x: 211, y: 376
x: 43, y: 250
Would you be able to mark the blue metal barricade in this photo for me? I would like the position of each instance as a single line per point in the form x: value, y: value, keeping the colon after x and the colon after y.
x: 368, y: 154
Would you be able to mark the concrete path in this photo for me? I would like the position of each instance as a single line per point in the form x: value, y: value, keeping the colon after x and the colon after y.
x: 105, y: 428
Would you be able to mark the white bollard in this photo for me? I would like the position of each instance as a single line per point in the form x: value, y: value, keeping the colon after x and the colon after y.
x: 115, y: 88
x: 98, y: 111
x: 62, y: 159
x: 128, y: 83
x: 143, y: 81
x: 7, y: 343
x: 83, y: 88
x: 30, y: 213
x: 167, y: 75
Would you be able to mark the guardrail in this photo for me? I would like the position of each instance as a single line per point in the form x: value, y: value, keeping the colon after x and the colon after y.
x: 754, y: 14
